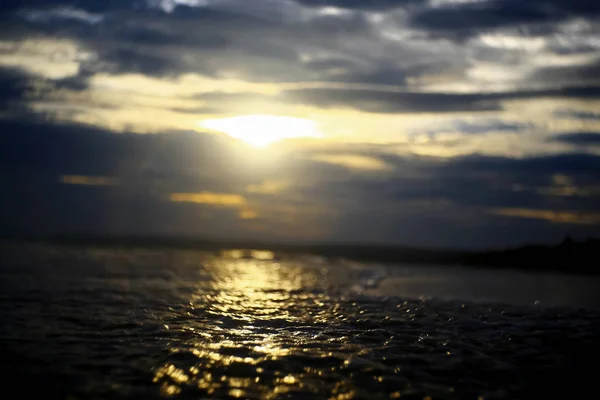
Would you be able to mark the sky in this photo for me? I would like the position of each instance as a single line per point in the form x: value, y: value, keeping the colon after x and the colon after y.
x: 437, y: 123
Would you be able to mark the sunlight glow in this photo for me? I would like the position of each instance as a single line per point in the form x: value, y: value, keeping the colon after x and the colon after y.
x: 248, y: 214
x: 263, y: 130
x: 209, y: 198
x: 86, y: 180
x: 353, y: 161
x: 269, y: 187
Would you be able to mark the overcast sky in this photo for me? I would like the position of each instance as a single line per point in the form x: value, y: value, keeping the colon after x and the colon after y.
x: 442, y: 123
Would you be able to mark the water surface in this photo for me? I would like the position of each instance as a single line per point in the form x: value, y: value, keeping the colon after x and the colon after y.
x: 140, y: 323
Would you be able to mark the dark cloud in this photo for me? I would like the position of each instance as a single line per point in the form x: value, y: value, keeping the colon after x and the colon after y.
x: 389, y: 102
x: 546, y: 165
x: 457, y: 196
x: 486, y: 193
x: 199, y: 110
x: 379, y: 76
x: 200, y: 41
x: 481, y: 127
x: 331, y: 64
x: 577, y: 115
x: 54, y: 150
x: 465, y: 19
x: 149, y: 41
x: 343, y: 70
x: 470, y: 18
x: 586, y: 139
x: 396, y: 102
x: 587, y: 73
x: 129, y: 59
x: 381, y: 101
x: 485, y: 181
x: 141, y: 34
x: 583, y: 92
x: 75, y: 83
x: 88, y: 5
x: 13, y: 85
x: 361, y: 5
x: 339, y: 24
x: 209, y: 41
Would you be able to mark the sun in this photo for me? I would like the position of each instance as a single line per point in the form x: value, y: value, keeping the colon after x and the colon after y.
x: 263, y: 130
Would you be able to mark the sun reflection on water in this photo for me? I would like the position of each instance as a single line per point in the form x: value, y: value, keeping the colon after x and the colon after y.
x: 255, y: 325
x: 238, y: 333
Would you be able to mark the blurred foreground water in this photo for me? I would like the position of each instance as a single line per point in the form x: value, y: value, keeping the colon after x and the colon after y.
x: 85, y: 323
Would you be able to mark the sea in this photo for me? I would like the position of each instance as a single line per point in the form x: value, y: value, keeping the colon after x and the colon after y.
x: 85, y: 322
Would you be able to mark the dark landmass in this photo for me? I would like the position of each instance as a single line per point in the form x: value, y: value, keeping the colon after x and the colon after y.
x: 567, y: 256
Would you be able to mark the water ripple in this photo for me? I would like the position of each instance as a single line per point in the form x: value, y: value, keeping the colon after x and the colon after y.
x: 100, y: 323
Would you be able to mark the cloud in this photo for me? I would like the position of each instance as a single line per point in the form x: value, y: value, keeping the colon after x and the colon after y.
x: 587, y: 139
x: 171, y: 5
x: 587, y: 72
x: 209, y: 198
x: 472, y: 17
x: 388, y: 101
x: 468, y: 18
x: 248, y: 214
x: 185, y: 160
x: 268, y: 187
x: 218, y: 41
x: 375, y: 5
x: 320, y: 190
x: 87, y: 180
x: 558, y: 217
x: 382, y: 80
x: 219, y: 200
x: 380, y: 101
x: 577, y: 115
x: 561, y: 163
x: 485, y: 125
x: 13, y: 86
x: 47, y: 58
x: 353, y: 162
x: 93, y: 6
x: 61, y: 13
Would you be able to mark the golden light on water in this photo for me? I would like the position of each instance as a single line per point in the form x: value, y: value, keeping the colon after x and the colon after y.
x: 263, y: 130
x: 247, y: 288
x: 245, y: 300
